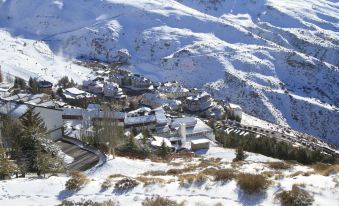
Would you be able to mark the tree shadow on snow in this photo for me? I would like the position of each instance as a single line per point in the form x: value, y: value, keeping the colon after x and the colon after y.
x: 64, y: 194
x: 249, y: 200
x: 201, y: 151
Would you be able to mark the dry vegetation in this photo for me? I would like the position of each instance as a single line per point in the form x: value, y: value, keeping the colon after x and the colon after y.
x: 150, y: 180
x: 279, y: 165
x: 306, y: 174
x: 77, y: 181
x: 107, y: 184
x: 89, y: 203
x: 154, y: 173
x: 189, y: 179
x: 325, y: 169
x: 160, y: 201
x: 125, y: 184
x: 116, y: 176
x: 222, y: 175
x: 295, y: 197
x: 252, y: 183
x: 211, y: 162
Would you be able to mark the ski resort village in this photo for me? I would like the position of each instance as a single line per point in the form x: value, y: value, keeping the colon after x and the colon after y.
x: 118, y: 133
x: 169, y: 103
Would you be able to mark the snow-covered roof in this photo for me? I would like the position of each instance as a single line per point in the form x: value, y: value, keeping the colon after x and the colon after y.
x: 200, y: 141
x: 158, y: 141
x: 139, y: 120
x: 172, y: 87
x: 199, y: 127
x: 75, y: 91
x: 139, y: 136
x: 199, y: 96
x: 140, y: 110
x: 188, y: 121
x: 73, y: 111
x: 160, y: 115
x: 234, y: 106
x: 13, y: 109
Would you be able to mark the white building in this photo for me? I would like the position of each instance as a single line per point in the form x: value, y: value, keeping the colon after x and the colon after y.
x: 235, y: 110
x: 112, y: 90
x: 76, y: 94
x: 173, y: 90
x: 191, y: 128
x: 156, y: 99
x: 5, y: 89
x: 198, y: 103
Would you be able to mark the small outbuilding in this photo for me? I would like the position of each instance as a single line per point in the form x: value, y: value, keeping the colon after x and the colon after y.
x: 200, y: 144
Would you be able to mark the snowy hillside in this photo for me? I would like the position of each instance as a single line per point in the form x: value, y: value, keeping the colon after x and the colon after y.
x: 51, y: 190
x: 277, y: 59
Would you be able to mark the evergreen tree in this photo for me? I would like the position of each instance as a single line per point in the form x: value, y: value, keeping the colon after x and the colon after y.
x: 6, y: 166
x: 65, y: 83
x: 19, y: 83
x: 146, y: 135
x: 163, y: 150
x: 37, y: 146
x: 240, y: 154
x: 33, y: 84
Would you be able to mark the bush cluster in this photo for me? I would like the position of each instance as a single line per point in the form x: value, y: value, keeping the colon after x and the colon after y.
x: 279, y: 165
x: 160, y: 201
x: 133, y: 150
x: 88, y: 203
x: 252, y: 183
x: 125, y: 184
x: 295, y: 197
x: 224, y: 175
x: 77, y: 181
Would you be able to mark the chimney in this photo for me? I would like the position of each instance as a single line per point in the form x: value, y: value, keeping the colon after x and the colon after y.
x: 182, y: 132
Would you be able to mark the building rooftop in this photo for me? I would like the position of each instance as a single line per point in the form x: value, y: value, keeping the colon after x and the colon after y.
x: 45, y: 84
x: 139, y: 120
x: 13, y: 109
x: 75, y: 91
x: 188, y: 121
x: 234, y: 106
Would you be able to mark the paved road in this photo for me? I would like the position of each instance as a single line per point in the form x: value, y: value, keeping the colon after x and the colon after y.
x: 83, y: 159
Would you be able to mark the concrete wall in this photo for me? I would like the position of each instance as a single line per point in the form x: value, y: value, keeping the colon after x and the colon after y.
x: 52, y: 119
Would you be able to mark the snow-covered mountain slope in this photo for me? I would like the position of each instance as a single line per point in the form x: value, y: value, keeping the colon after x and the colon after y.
x: 277, y: 59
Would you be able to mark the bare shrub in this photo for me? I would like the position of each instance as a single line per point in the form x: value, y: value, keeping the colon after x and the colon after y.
x: 295, y: 197
x: 125, y: 184
x: 89, y: 203
x: 252, y: 183
x: 160, y: 201
x: 189, y: 179
x: 325, y: 169
x: 154, y: 173
x: 106, y: 184
x: 180, y: 171
x: 306, y: 174
x: 116, y: 176
x: 150, y: 180
x: 211, y: 162
x: 77, y: 181
x: 224, y: 175
x: 279, y: 165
